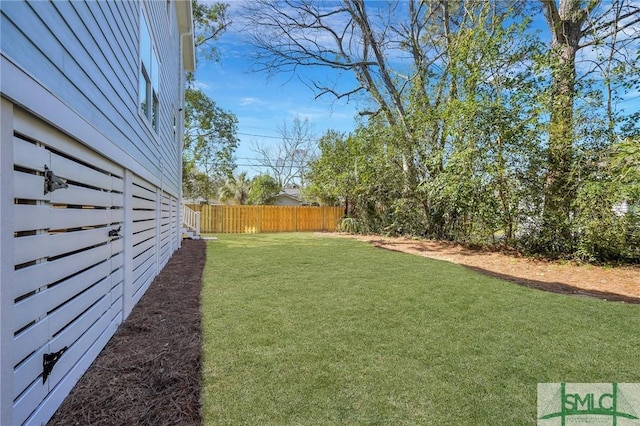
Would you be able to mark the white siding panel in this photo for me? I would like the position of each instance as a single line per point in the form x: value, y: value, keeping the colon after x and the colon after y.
x: 142, y: 261
x: 28, y: 401
x: 143, y: 215
x: 68, y: 242
x: 44, y: 245
x: 144, y: 280
x: 41, y: 303
x: 30, y: 279
x: 35, y: 129
x: 77, y: 218
x: 55, y: 398
x: 144, y: 236
x: 29, y: 217
x: 79, y: 337
x: 28, y: 155
x: 71, y: 281
x: 117, y: 246
x: 30, y: 248
x: 142, y: 251
x: 117, y: 184
x: 66, y: 313
x: 56, y: 270
x: 27, y: 373
x: 33, y: 337
x: 72, y: 170
x: 143, y: 204
x: 144, y: 189
x: 77, y: 195
x: 28, y: 186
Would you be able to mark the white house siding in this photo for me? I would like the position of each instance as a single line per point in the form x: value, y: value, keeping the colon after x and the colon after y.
x: 74, y: 261
x: 87, y: 53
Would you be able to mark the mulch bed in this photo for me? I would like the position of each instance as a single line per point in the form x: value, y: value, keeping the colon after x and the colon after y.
x: 149, y: 372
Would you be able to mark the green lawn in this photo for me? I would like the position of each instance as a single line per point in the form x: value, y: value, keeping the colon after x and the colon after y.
x: 302, y: 329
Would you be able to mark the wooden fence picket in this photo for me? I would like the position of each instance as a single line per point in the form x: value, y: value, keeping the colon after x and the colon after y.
x: 254, y: 219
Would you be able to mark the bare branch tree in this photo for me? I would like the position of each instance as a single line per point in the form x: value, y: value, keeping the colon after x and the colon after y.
x: 288, y: 160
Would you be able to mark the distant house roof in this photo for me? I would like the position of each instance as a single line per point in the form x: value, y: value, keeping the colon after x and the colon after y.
x: 293, y: 191
x: 284, y: 199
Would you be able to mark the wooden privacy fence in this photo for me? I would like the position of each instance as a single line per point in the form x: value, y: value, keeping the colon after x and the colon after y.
x: 252, y: 219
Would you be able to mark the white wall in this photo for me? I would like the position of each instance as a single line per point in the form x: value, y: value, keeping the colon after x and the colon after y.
x: 86, y: 53
x: 69, y: 93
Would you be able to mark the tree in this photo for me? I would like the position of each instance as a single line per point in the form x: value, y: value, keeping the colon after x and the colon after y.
x: 332, y: 176
x: 236, y: 189
x: 209, y: 22
x: 287, y: 161
x: 573, y: 25
x: 340, y: 36
x: 474, y: 128
x: 210, y: 140
x: 264, y: 190
x: 209, y: 144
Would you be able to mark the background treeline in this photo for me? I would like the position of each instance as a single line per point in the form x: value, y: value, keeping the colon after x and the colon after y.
x: 488, y: 121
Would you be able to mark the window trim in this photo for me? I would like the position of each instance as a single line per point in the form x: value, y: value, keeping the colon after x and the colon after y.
x: 149, y: 110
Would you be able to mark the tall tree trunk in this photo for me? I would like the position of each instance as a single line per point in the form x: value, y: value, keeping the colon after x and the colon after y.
x: 565, y: 23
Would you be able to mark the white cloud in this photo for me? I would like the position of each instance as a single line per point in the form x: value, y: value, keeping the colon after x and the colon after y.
x: 247, y: 101
x: 201, y: 85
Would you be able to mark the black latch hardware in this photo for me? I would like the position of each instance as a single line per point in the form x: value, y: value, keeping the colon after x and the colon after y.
x: 52, y: 182
x: 48, y: 361
x: 115, y: 232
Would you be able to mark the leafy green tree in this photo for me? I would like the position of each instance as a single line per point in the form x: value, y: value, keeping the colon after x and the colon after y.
x: 483, y: 132
x: 573, y: 25
x: 210, y: 139
x: 209, y: 144
x: 236, y: 189
x: 209, y: 22
x: 264, y: 189
x: 328, y: 176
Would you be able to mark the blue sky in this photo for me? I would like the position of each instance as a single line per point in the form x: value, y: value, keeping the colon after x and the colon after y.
x: 265, y: 104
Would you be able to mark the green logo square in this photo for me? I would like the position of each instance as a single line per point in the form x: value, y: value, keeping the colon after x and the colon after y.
x: 573, y: 404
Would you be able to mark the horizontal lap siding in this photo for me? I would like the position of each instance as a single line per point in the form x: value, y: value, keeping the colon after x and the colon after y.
x: 251, y: 219
x: 68, y: 270
x: 79, y: 258
x: 87, y: 54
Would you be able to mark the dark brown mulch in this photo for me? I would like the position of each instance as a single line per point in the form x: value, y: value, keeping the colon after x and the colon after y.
x: 149, y: 372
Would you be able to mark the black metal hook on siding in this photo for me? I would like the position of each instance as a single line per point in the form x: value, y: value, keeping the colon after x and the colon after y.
x: 115, y: 232
x: 52, y: 182
x: 49, y: 360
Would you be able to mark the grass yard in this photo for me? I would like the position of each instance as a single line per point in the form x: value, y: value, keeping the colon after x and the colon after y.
x: 303, y: 329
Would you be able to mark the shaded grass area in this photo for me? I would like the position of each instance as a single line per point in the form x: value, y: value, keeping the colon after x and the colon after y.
x: 301, y: 329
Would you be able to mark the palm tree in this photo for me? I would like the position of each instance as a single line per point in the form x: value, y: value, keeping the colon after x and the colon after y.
x: 236, y: 189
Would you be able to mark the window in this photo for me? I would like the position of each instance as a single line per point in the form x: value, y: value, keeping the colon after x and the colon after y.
x: 149, y: 79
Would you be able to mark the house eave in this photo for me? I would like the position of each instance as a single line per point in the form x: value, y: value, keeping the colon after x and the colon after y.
x: 185, y: 27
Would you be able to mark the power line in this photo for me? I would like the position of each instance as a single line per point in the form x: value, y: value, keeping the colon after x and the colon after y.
x: 316, y: 139
x: 259, y: 136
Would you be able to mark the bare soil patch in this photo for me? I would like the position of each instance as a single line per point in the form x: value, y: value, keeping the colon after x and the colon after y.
x: 149, y: 372
x: 610, y: 283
